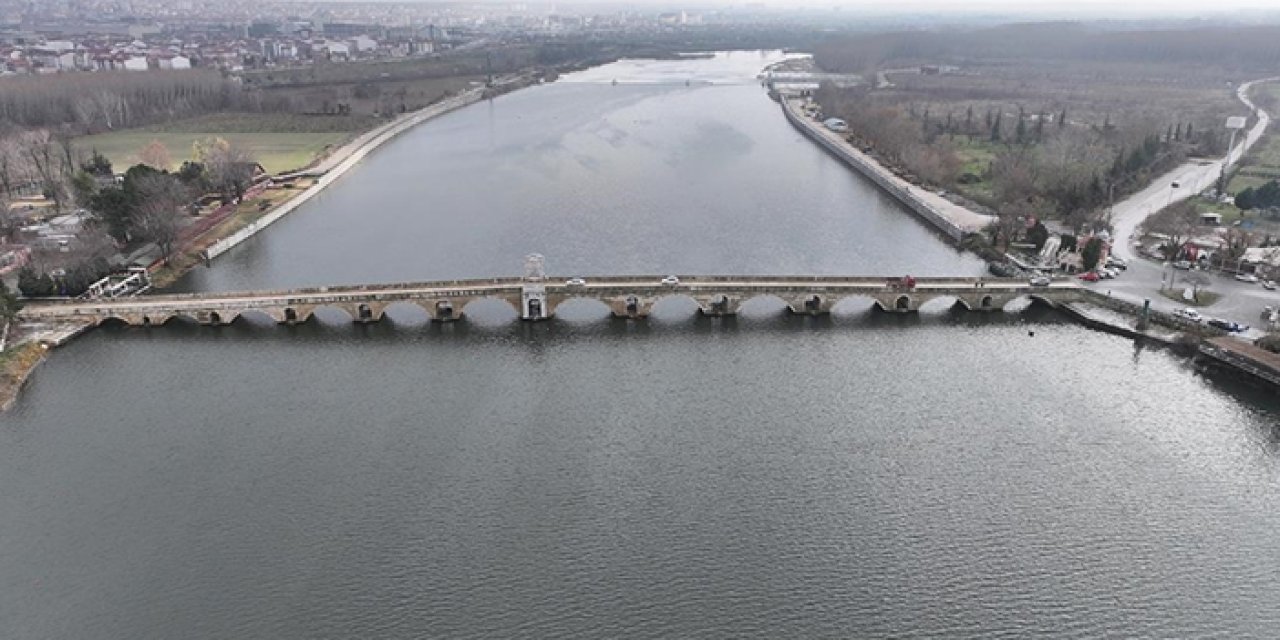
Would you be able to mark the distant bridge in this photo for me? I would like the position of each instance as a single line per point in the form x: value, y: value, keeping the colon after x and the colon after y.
x: 537, y: 298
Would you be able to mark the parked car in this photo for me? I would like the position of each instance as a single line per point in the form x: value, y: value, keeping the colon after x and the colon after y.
x: 1117, y: 263
x: 1269, y: 285
x: 671, y: 281
x: 1090, y: 276
x: 1182, y: 264
x: 1040, y: 280
x: 1227, y: 325
x: 1189, y: 314
x: 1247, y: 277
x: 575, y: 282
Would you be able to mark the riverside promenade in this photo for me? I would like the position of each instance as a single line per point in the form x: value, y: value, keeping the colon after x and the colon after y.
x: 953, y: 220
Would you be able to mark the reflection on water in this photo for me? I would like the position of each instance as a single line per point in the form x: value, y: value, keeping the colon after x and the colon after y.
x: 956, y: 475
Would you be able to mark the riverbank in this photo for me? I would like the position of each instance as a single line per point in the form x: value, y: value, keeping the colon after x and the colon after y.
x: 952, y: 220
x: 16, y: 366
x: 321, y: 176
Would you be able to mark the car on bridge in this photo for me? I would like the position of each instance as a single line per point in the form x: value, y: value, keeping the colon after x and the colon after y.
x: 670, y: 281
x: 1040, y: 280
x: 575, y: 282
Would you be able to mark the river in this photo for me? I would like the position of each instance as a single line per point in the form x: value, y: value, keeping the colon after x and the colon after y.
x: 944, y: 475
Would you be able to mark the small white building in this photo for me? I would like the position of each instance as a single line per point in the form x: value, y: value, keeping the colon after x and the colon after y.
x: 136, y: 63
x: 175, y: 62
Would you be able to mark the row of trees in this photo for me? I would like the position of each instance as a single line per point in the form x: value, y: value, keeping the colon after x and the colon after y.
x: 1263, y: 197
x: 85, y: 102
x: 1042, y: 167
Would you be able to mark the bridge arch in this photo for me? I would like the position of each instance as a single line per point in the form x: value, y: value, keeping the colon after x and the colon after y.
x: 485, y: 309
x: 944, y: 304
x: 577, y: 307
x: 674, y: 304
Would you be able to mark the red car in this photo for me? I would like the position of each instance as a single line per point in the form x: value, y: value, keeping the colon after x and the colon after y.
x: 1089, y: 276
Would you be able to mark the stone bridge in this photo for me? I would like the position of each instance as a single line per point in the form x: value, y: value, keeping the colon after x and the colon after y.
x: 538, y: 298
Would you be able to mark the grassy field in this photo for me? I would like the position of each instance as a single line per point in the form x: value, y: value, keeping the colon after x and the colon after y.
x: 975, y: 154
x: 279, y: 141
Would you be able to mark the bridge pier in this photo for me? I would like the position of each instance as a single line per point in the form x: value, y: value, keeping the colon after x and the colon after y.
x: 367, y: 312
x: 811, y: 305
x: 718, y: 306
x: 633, y: 307
x: 445, y: 311
x: 901, y: 301
x: 534, y: 306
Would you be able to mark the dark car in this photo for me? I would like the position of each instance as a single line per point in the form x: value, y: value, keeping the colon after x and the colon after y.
x: 1227, y: 325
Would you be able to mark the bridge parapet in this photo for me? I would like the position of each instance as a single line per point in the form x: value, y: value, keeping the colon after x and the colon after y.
x: 627, y: 296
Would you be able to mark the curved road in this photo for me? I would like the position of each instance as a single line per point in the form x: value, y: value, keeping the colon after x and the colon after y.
x: 1240, y: 302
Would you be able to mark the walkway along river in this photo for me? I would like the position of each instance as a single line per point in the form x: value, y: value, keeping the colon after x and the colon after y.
x: 764, y: 476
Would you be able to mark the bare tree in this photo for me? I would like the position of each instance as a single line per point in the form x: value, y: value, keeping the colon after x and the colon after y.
x: 1176, y: 223
x: 40, y: 148
x: 230, y: 168
x: 158, y: 214
x: 156, y: 156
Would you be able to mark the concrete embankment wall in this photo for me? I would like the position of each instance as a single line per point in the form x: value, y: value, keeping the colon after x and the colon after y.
x: 874, y: 173
x: 225, y: 244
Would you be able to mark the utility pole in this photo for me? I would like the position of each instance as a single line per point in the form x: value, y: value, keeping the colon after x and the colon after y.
x: 1235, y: 124
x: 488, y: 69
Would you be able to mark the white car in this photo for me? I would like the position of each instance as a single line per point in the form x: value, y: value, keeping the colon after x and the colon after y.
x: 1269, y: 285
x: 1040, y: 280
x: 1247, y: 277
x: 575, y: 282
x: 671, y: 281
x: 1188, y: 313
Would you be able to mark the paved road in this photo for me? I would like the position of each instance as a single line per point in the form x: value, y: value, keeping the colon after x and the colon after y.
x: 1240, y: 302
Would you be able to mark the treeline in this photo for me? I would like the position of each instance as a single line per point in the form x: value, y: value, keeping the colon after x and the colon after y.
x: 89, y: 102
x: 1266, y: 196
x: 1242, y: 48
x: 1041, y: 165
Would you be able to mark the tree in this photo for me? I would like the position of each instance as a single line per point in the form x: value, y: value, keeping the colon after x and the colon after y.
x: 1038, y: 235
x: 112, y: 207
x: 1091, y: 253
x: 9, y: 304
x: 229, y: 168
x: 158, y: 212
x: 155, y: 155
x: 1245, y: 199
x: 1062, y: 120
x: 995, y: 127
x: 97, y: 165
x: 1177, y: 224
x: 35, y: 285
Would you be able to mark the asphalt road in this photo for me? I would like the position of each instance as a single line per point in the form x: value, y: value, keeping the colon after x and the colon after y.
x: 1240, y: 302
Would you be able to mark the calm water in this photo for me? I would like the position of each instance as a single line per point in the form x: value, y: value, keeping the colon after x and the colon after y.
x: 864, y: 475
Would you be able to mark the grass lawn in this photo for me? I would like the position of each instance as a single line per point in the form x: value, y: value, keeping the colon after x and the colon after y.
x: 1204, y: 298
x: 975, y: 155
x: 280, y: 142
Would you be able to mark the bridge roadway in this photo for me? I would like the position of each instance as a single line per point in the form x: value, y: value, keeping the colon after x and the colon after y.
x: 626, y: 297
